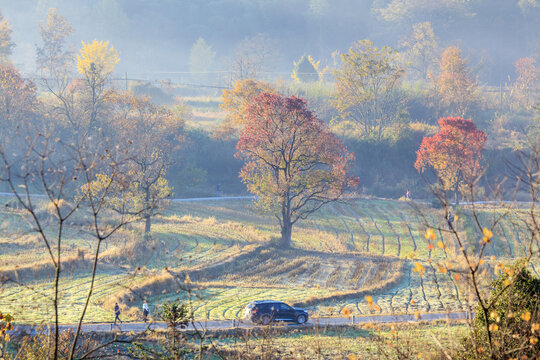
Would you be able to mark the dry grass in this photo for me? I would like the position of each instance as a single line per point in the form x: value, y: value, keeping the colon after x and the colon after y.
x: 45, y: 269
x: 161, y: 283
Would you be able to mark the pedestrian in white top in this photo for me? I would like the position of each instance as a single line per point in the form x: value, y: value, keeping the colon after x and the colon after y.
x: 145, y: 311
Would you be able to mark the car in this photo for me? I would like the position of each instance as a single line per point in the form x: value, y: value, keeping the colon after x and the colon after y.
x: 266, y: 311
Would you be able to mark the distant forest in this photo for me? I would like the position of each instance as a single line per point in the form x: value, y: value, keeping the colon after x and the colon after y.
x: 156, y: 36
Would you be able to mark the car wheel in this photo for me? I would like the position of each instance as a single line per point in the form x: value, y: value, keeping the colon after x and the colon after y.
x: 301, y: 319
x: 265, y: 319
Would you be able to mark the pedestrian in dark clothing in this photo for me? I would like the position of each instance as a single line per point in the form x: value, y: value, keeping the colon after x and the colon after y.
x: 450, y: 218
x: 117, y: 315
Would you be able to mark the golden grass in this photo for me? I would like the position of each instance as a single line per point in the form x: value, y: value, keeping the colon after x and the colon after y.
x: 45, y: 269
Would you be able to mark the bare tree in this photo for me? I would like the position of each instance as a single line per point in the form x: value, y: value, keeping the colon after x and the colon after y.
x: 251, y: 57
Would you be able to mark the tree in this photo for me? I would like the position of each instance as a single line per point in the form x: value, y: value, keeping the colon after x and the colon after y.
x: 17, y: 98
x: 455, y: 152
x: 53, y: 59
x: 155, y: 134
x: 176, y: 315
x: 46, y: 164
x: 252, y: 55
x: 307, y: 70
x: 455, y: 86
x: 6, y: 45
x: 293, y: 164
x: 95, y: 63
x: 366, y: 85
x: 527, y: 83
x: 235, y: 102
x: 421, y: 48
x: 201, y: 58
x: 412, y: 10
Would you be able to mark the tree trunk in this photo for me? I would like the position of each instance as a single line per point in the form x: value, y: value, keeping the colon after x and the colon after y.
x: 147, y: 214
x: 286, y: 231
x: 147, y: 225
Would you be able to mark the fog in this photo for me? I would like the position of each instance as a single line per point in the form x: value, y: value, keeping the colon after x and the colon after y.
x: 155, y: 37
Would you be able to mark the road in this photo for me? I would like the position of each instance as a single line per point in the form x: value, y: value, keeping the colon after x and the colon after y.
x: 138, y: 327
x: 221, y: 198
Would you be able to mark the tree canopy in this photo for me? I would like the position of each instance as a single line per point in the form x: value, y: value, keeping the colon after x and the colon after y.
x: 455, y: 152
x: 366, y: 85
x: 293, y: 163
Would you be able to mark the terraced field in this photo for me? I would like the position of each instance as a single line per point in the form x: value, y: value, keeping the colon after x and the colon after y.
x: 342, y: 254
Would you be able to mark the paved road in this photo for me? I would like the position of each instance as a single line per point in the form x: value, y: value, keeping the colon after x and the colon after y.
x: 137, y: 327
x: 220, y: 198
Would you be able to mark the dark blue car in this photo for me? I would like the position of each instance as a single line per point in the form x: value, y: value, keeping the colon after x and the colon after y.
x: 266, y: 311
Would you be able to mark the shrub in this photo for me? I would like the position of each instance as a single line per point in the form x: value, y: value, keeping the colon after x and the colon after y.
x: 514, y: 320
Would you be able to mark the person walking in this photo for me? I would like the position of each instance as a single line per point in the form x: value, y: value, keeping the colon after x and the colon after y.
x: 145, y: 311
x: 450, y: 219
x: 117, y: 315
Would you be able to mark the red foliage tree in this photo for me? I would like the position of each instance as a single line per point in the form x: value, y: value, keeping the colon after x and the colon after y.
x: 293, y: 163
x: 455, y: 152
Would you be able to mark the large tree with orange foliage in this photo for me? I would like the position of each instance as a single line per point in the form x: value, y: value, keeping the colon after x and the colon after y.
x: 455, y: 152
x: 293, y: 163
x: 455, y: 86
x: 235, y: 102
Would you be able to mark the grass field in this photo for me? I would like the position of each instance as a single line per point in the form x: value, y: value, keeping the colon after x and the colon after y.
x: 355, y: 342
x: 342, y: 254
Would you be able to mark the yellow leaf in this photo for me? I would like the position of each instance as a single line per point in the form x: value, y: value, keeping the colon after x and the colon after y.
x: 533, y: 340
x: 487, y: 233
x: 441, y: 244
x: 493, y: 327
x: 430, y: 234
x: 369, y: 300
x: 97, y: 59
x: 526, y: 316
x: 419, y: 268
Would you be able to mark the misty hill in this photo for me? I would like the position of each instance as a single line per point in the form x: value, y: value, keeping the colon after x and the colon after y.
x: 156, y: 36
